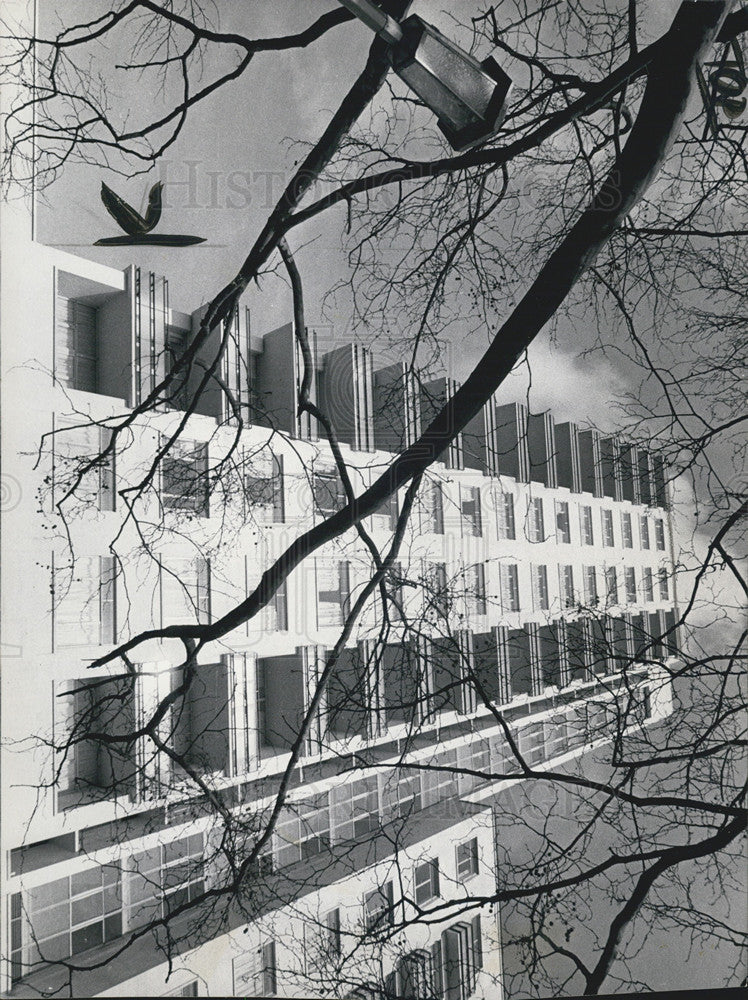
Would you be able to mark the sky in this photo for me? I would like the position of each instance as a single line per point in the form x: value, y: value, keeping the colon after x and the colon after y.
x: 228, y: 168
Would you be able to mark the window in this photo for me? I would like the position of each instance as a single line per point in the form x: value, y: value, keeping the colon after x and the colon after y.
x: 85, y: 603
x: 385, y: 516
x: 563, y: 528
x: 434, y: 508
x: 506, y: 525
x: 276, y: 611
x: 648, y: 585
x: 162, y: 879
x: 413, y: 978
x: 611, y: 584
x: 473, y: 757
x: 64, y: 917
x: 75, y: 444
x: 531, y: 742
x: 185, y: 591
x: 332, y: 933
x: 395, y: 591
x: 265, y: 494
x: 176, y: 344
x: 328, y: 492
x: 426, y: 881
x: 644, y: 531
x: 626, y: 530
x: 401, y: 793
x: 379, y: 908
x: 355, y: 809
x: 184, y: 477
x: 607, y: 521
x: 470, y: 508
x: 95, y: 908
x: 664, y: 588
x: 536, y: 523
x: 466, y: 855
x: 333, y: 592
x: 268, y: 969
x: 437, y: 593
x: 590, y: 586
x: 461, y: 955
x: 660, y: 534
x: 539, y: 577
x: 182, y: 871
x: 629, y: 579
x: 585, y: 525
x: 302, y: 831
x: 76, y: 345
x: 566, y: 585
x: 477, y: 591
x: 509, y: 586
x: 442, y: 784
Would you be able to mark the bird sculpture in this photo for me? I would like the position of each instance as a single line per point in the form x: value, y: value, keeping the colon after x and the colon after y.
x: 137, y: 226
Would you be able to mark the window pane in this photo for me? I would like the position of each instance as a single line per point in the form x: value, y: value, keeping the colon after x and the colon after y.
x: 86, y: 909
x: 85, y: 881
x: 87, y: 937
x: 48, y: 895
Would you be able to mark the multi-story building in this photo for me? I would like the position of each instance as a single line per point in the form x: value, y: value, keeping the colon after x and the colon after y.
x: 536, y: 566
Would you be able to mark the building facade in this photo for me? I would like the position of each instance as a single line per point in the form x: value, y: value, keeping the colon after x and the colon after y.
x: 535, y: 570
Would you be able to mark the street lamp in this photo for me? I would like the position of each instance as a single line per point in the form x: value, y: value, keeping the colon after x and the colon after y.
x: 468, y: 97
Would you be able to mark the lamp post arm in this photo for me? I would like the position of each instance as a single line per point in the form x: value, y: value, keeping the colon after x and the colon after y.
x: 376, y: 19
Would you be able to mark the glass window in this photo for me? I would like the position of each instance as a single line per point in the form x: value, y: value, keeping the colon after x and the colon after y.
x: 467, y: 859
x: 269, y: 972
x: 626, y: 531
x: 590, y: 585
x: 414, y: 977
x: 379, y: 907
x: 585, y: 525
x: 506, y: 525
x: 332, y: 927
x: 477, y: 584
x: 644, y: 531
x: 76, y: 348
x: 471, y: 510
x: 176, y: 344
x: 333, y: 592
x: 660, y: 534
x: 648, y: 585
x: 185, y: 591
x: 387, y: 513
x: 427, y: 881
x: 563, y: 528
x: 434, y: 512
x: 629, y: 577
x: 664, y: 588
x: 566, y: 585
x: 84, y: 603
x: 354, y: 809
x: 264, y: 492
x: 510, y: 587
x: 76, y: 443
x: 437, y: 592
x: 611, y: 584
x: 540, y: 597
x: 184, y: 477
x: 607, y: 521
x: 328, y: 492
x: 536, y: 522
